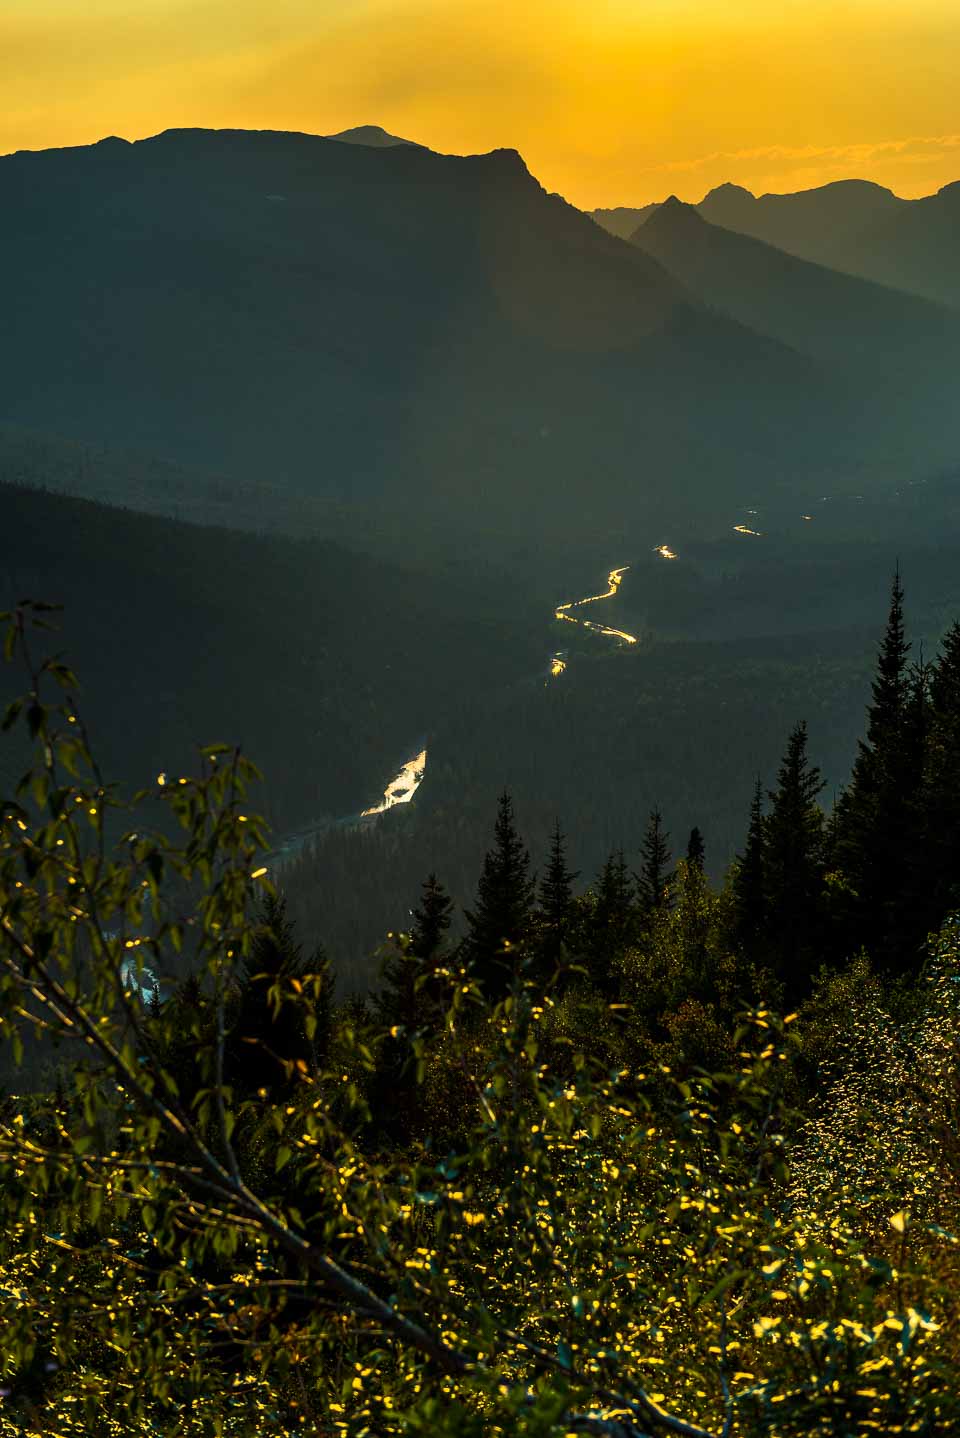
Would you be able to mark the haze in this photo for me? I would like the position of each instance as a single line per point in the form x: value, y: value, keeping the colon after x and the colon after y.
x: 610, y: 103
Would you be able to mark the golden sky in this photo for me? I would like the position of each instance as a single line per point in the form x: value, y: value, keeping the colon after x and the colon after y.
x: 611, y: 102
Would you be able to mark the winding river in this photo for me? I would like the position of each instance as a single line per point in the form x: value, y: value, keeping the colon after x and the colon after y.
x: 402, y: 788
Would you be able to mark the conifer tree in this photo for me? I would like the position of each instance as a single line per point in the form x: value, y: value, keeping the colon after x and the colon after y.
x: 794, y: 867
x: 266, y: 1031
x: 696, y: 852
x: 556, y: 899
x: 878, y: 814
x: 410, y: 1002
x: 749, y: 882
x: 612, y: 922
x: 407, y: 998
x: 655, y: 856
x: 500, y: 916
x: 941, y: 789
x: 431, y: 919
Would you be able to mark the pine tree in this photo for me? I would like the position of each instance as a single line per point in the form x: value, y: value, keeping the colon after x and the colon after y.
x: 612, y: 922
x: 655, y: 855
x: 891, y: 683
x: 499, y: 919
x: 409, y: 1006
x: 794, y: 867
x: 749, y: 882
x: 431, y: 919
x: 407, y: 998
x: 696, y: 852
x: 941, y: 788
x: 877, y: 816
x: 555, y: 901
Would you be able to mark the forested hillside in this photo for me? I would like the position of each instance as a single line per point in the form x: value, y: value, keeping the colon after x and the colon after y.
x: 685, y: 725
x: 323, y: 663
x: 576, y: 1172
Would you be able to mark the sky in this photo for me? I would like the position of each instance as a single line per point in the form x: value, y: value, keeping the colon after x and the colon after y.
x: 610, y: 102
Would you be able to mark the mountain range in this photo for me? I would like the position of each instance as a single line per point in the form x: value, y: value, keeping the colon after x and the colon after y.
x: 855, y: 326
x: 850, y: 225
x: 381, y: 325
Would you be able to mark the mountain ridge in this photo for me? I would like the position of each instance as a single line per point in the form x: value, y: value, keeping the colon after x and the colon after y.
x: 908, y: 347
x: 854, y: 226
x: 370, y: 323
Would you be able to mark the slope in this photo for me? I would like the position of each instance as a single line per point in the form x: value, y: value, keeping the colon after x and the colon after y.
x: 434, y: 334
x: 374, y: 135
x: 907, y: 347
x: 324, y: 664
x: 856, y: 226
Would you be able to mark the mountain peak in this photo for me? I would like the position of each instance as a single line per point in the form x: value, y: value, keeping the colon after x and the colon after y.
x: 672, y: 220
x: 374, y: 136
x: 728, y: 191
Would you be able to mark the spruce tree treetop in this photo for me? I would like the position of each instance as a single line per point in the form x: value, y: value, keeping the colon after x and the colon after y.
x: 696, y: 852
x: 407, y: 995
x: 794, y: 865
x: 878, y: 820
x: 556, y: 886
x: 501, y: 913
x: 655, y: 863
x: 431, y: 919
x: 555, y: 900
x: 890, y: 683
x: 945, y: 675
x: 749, y: 880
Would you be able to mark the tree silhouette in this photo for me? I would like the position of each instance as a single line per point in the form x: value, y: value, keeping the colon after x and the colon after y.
x: 431, y: 919
x: 793, y: 866
x: 612, y: 921
x: 555, y: 900
x: 941, y: 789
x: 749, y: 881
x: 696, y: 852
x: 655, y: 864
x: 500, y: 916
x: 877, y: 815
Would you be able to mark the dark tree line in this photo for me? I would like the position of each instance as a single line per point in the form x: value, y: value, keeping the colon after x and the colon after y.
x: 883, y: 869
x: 809, y: 892
x: 809, y: 888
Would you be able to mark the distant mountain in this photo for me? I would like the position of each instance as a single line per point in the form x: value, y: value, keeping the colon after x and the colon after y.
x: 373, y: 135
x: 433, y: 335
x: 850, y: 225
x: 819, y: 224
x: 908, y: 348
x: 917, y: 246
x: 858, y: 227
x: 824, y: 312
x: 621, y: 221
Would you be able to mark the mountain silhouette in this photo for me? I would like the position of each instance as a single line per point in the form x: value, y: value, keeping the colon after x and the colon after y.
x: 432, y: 334
x: 816, y: 224
x: 907, y: 347
x: 374, y: 135
x: 622, y: 221
x: 855, y: 226
x: 858, y: 227
x: 828, y: 314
